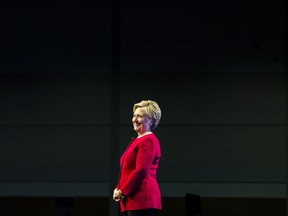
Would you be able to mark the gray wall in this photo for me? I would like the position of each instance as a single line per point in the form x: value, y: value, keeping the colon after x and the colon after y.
x: 218, y: 130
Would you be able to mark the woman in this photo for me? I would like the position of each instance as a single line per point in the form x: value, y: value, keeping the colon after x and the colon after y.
x: 137, y: 189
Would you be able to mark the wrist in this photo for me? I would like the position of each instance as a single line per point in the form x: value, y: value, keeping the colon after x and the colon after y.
x: 121, y: 195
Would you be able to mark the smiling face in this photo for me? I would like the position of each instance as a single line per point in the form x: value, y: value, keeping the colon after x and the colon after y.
x: 141, y: 122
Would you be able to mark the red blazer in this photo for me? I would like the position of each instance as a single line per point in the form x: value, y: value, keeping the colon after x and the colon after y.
x: 137, y: 178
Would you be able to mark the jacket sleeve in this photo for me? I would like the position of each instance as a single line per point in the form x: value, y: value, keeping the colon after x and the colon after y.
x: 145, y: 156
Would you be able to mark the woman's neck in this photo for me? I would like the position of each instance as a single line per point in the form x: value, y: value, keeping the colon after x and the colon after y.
x: 143, y: 134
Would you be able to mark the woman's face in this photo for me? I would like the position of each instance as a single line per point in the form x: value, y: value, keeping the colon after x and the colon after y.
x: 141, y: 122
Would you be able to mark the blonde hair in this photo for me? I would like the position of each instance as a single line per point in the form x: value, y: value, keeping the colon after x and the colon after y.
x: 152, y: 109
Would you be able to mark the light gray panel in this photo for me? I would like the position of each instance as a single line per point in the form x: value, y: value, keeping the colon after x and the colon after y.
x: 219, y: 154
x: 236, y: 146
x: 48, y: 99
x: 125, y: 136
x: 243, y: 190
x: 207, y: 98
x: 54, y: 153
x: 175, y: 189
x: 233, y: 154
x: 55, y: 189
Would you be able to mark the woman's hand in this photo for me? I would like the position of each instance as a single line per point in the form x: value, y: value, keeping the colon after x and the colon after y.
x: 117, y: 195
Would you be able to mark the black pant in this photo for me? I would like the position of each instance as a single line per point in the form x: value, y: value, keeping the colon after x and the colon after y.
x: 142, y: 212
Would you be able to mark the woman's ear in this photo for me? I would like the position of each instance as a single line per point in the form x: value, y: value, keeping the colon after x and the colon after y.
x: 152, y: 122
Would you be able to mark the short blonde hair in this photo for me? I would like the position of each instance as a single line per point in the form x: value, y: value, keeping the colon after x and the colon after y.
x: 152, y: 109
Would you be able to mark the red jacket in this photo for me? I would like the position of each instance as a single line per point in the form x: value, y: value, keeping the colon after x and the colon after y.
x: 137, y: 178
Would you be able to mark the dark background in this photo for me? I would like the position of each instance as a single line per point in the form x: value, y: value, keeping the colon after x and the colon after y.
x: 71, y: 71
x: 190, y: 36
